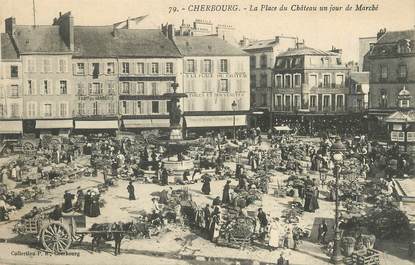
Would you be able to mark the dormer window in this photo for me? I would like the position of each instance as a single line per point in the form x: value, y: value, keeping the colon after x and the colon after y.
x: 404, y: 46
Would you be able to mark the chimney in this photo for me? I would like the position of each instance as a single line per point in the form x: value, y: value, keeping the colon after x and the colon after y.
x: 66, y: 23
x: 299, y: 45
x: 336, y: 50
x: 170, y: 32
x: 277, y: 39
x: 10, y: 25
x: 244, y: 42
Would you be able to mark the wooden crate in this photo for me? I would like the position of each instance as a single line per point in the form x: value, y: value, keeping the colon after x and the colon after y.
x: 371, y: 258
x: 31, y: 226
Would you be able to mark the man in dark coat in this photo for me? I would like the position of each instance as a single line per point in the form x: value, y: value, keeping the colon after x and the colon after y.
x: 164, y: 177
x: 130, y: 189
x: 322, y: 231
x: 87, y: 203
x: 206, y: 212
x: 282, y: 261
x: 94, y: 208
x: 206, y: 184
x: 118, y: 235
x: 225, y: 195
x: 67, y: 205
x: 263, y: 221
x: 56, y: 214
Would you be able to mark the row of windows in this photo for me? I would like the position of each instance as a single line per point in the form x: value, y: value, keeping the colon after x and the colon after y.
x: 212, y: 104
x: 129, y: 107
x: 295, y: 80
x: 263, y: 61
x: 46, y: 87
x: 46, y: 66
x: 48, y: 109
x: 96, y: 69
x: 207, y: 66
x: 14, y: 110
x: 11, y: 91
x: 295, y: 101
x: 384, y: 72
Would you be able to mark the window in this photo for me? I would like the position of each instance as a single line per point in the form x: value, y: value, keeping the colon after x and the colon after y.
x: 2, y: 110
x: 264, y: 61
x: 138, y: 107
x: 14, y: 71
x: 207, y: 85
x: 278, y: 102
x: 253, y: 81
x: 297, y: 80
x: 224, y: 85
x: 62, y: 65
x: 46, y: 66
x: 313, y: 80
x: 154, y: 89
x: 169, y: 68
x: 190, y: 66
x: 154, y: 68
x: 207, y: 66
x: 123, y: 107
x: 339, y: 80
x: 31, y: 109
x: 252, y: 61
x: 278, y: 81
x: 313, y: 101
x: 383, y: 99
x: 111, y: 108
x: 279, y: 63
x: 287, y: 102
x: 297, y: 101
x: 140, y: 68
x: 264, y: 80
x: 30, y: 87
x: 383, y: 72
x: 47, y: 110
x: 97, y: 89
x: 110, y: 68
x: 81, y: 108
x: 14, y: 91
x: 15, y: 110
x: 80, y: 68
x: 154, y: 107
x: 46, y: 89
x: 81, y: 89
x: 223, y: 66
x: 326, y: 81
x: 404, y: 103
x: 264, y: 99
x: 140, y: 88
x: 326, y: 101
x: 339, y: 101
x: 287, y: 81
x: 403, y: 71
x: 95, y: 108
x: 111, y: 88
x: 95, y: 70
x: 125, y: 88
x: 63, y: 109
x: 125, y: 68
x: 63, y: 87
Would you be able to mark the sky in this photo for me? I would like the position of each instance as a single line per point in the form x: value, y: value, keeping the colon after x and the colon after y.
x: 320, y: 30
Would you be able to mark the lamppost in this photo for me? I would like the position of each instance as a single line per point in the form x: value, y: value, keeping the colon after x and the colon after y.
x: 337, y: 148
x: 234, y: 109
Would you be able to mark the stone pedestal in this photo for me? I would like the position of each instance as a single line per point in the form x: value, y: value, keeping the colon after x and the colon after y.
x: 176, y: 134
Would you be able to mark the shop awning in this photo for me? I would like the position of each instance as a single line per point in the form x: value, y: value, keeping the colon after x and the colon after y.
x: 54, y: 124
x: 146, y: 123
x: 111, y: 124
x: 215, y: 121
x: 282, y: 128
x: 11, y: 127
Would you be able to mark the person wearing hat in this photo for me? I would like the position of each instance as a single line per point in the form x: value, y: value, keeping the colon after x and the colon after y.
x: 56, y: 214
x: 225, y: 195
x: 67, y: 205
x: 282, y: 260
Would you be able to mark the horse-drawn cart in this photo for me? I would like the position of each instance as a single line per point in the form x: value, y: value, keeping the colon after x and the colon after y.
x: 55, y: 236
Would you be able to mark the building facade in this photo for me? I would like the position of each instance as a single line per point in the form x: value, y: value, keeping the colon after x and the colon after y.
x: 216, y: 81
x: 261, y: 62
x: 11, y: 96
x: 310, y: 87
x: 391, y: 63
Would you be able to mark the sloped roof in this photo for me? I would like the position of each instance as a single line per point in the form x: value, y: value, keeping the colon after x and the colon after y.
x: 400, y: 117
x: 306, y: 51
x: 206, y: 46
x: 8, y: 51
x: 100, y: 42
x: 260, y: 44
x: 394, y: 36
x: 39, y: 39
x: 360, y: 77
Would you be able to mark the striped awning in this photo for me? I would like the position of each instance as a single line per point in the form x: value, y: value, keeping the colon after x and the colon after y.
x: 111, y: 124
x: 146, y: 123
x: 11, y: 127
x: 54, y: 124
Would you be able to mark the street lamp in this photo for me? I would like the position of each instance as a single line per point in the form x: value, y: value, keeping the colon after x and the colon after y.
x: 337, y: 148
x: 234, y: 109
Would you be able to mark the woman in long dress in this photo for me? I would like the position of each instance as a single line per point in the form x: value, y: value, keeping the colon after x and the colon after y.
x: 289, y: 238
x: 274, y: 235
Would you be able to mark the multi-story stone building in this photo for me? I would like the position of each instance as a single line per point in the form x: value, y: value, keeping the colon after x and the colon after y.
x: 11, y: 98
x: 45, y: 53
x: 262, y: 60
x: 309, y: 85
x: 123, y: 73
x: 216, y: 81
x: 391, y: 62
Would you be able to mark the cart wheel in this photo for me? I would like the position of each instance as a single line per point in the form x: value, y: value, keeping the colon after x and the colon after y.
x: 56, y: 238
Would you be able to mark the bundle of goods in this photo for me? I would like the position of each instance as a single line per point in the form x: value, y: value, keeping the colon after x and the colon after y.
x: 237, y: 232
x: 32, y: 193
x: 245, y: 198
x: 292, y: 214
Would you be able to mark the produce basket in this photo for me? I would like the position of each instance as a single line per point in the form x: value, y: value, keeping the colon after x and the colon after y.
x: 369, y: 257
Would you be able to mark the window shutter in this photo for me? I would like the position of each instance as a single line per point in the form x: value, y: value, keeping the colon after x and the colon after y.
x: 89, y: 88
x: 35, y: 88
x: 74, y: 68
x: 195, y: 66
x: 147, y: 69
x: 57, y: 88
x: 229, y: 66
x: 219, y: 66
x: 68, y: 88
x: 218, y: 86
x: 212, y: 66
x: 91, y: 68
x: 229, y: 85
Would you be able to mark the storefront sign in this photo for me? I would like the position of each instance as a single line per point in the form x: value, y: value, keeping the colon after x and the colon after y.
x: 99, y: 97
x: 397, y: 127
x: 397, y: 136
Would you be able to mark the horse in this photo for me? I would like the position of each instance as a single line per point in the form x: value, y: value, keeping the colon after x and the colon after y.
x: 102, y: 232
